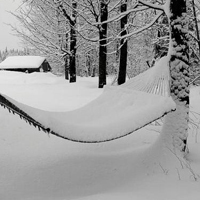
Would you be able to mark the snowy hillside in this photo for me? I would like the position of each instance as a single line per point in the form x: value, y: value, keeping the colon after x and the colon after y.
x: 37, y: 166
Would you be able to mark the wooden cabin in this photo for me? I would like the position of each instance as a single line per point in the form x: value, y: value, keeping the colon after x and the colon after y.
x: 26, y: 64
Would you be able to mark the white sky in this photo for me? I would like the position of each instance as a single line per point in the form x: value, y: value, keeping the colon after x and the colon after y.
x: 7, y: 39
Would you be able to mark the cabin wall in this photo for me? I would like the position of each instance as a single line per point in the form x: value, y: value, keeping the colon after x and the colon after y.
x: 46, y: 66
x: 25, y: 70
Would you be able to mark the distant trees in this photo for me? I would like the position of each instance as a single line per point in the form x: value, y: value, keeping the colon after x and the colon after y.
x: 3, y: 54
x: 12, y: 52
x: 63, y: 30
x: 42, y: 29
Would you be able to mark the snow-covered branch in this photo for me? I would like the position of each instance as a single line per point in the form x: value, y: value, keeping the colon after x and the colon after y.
x: 150, y: 5
x: 144, y: 27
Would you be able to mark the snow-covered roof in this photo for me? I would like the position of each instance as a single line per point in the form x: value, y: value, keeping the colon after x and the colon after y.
x: 14, y: 62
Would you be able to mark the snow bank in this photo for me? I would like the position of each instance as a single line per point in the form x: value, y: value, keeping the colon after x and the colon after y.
x: 35, y: 166
x: 18, y: 78
x: 117, y: 112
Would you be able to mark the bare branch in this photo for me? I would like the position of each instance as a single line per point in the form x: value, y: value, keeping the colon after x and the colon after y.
x: 144, y: 27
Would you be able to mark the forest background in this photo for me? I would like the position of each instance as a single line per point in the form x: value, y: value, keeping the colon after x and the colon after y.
x: 99, y: 38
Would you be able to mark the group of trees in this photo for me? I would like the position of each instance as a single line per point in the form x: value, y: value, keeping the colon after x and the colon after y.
x: 97, y: 36
x: 13, y: 52
x: 70, y: 31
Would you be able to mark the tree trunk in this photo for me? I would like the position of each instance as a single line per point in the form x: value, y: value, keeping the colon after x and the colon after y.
x: 123, y: 50
x: 179, y: 71
x: 72, y: 64
x: 66, y: 68
x: 196, y: 24
x: 102, y: 44
x: 66, y: 60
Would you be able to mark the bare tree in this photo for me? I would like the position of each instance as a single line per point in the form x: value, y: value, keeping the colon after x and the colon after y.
x: 72, y: 22
x: 42, y: 29
x: 123, y: 49
x: 176, y: 124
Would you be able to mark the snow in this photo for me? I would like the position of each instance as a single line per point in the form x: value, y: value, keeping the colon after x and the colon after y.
x: 166, y: 8
x: 116, y: 113
x: 154, y: 80
x: 37, y: 166
x: 12, y: 62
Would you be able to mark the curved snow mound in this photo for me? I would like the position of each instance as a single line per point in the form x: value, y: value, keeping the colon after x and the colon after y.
x: 114, y: 114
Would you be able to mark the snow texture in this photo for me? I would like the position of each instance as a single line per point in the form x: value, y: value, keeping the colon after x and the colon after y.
x: 119, y: 111
x: 116, y: 113
x: 13, y: 62
x: 35, y: 166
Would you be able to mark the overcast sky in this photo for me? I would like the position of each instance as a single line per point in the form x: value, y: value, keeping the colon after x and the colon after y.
x: 6, y: 37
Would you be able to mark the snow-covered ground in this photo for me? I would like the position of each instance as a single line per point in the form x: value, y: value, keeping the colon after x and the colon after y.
x: 37, y: 166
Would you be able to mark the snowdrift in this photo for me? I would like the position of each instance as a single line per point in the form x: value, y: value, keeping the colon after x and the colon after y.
x: 119, y: 111
x: 114, y: 114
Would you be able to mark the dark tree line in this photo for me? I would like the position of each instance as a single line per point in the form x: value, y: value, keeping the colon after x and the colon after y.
x: 13, y: 52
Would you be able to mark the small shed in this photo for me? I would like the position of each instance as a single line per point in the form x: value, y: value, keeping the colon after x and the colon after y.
x: 26, y: 64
